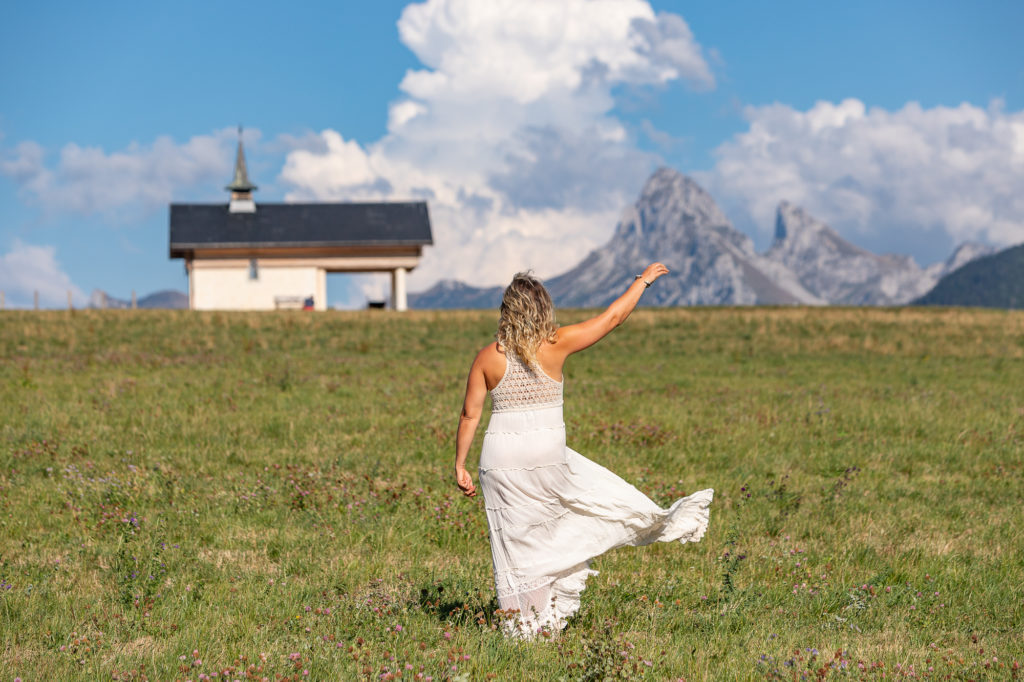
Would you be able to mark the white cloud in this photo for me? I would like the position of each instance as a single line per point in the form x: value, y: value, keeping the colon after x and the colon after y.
x: 509, y: 130
x: 333, y: 170
x: 88, y: 180
x: 524, y: 50
x: 904, y: 175
x: 27, y: 268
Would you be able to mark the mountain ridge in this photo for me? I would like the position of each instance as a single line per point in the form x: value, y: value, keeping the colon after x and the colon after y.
x: 169, y: 299
x: 678, y: 222
x: 994, y: 280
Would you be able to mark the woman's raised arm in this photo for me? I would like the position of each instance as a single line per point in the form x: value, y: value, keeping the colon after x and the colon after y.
x: 576, y: 337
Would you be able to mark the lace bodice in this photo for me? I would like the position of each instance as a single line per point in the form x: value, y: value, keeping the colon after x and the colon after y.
x: 524, y: 388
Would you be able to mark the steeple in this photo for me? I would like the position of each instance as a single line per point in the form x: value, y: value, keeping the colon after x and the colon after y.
x: 241, y: 189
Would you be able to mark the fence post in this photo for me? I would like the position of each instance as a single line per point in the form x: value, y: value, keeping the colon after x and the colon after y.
x: 134, y: 305
x: 35, y: 299
x: 70, y: 307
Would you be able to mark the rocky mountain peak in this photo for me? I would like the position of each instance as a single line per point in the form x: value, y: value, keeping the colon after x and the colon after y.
x: 675, y: 221
x: 792, y: 220
x: 797, y: 231
x: 835, y: 270
x: 671, y: 195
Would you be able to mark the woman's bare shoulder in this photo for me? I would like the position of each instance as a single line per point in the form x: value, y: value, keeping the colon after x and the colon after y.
x: 491, y: 350
x: 491, y: 361
x: 489, y: 357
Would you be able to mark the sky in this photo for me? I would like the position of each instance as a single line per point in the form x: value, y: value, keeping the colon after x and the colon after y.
x: 527, y: 125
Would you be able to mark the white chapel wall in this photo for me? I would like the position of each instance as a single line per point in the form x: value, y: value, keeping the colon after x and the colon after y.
x: 232, y: 288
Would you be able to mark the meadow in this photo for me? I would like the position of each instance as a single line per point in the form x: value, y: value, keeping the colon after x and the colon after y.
x: 193, y: 496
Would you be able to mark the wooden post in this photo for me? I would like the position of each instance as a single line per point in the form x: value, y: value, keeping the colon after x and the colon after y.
x: 134, y: 305
x: 35, y: 299
x: 70, y: 307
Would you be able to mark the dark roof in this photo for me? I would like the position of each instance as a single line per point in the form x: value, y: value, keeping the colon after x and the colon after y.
x: 212, y: 226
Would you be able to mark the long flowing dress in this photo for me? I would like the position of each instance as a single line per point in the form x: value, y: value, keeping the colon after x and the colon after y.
x: 550, y: 509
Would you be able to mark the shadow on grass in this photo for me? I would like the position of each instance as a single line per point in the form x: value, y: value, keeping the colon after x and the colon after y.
x: 450, y: 604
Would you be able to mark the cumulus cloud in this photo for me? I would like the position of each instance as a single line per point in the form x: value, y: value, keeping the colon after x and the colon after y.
x: 509, y: 129
x: 89, y: 180
x: 330, y: 167
x: 27, y: 268
x: 881, y: 176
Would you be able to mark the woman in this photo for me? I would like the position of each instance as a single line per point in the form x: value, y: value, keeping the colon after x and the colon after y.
x: 549, y: 509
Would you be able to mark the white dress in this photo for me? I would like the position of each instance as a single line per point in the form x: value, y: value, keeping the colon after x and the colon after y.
x: 550, y: 509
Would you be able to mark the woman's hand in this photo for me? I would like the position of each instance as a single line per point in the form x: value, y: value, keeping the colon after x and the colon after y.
x: 653, y: 272
x: 465, y: 482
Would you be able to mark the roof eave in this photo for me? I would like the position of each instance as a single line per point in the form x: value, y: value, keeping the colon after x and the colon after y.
x: 184, y: 249
x: 298, y: 245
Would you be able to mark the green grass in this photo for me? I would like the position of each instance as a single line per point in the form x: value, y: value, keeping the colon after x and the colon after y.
x: 188, y: 493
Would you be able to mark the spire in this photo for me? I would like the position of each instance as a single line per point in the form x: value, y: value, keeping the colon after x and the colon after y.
x: 241, y: 189
x: 240, y: 183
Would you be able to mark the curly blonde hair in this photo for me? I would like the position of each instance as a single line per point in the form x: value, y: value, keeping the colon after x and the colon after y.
x: 527, y: 317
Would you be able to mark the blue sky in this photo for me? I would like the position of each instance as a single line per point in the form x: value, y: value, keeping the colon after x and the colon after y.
x: 898, y: 123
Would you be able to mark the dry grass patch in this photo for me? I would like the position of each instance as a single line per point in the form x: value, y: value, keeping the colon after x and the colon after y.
x: 248, y: 559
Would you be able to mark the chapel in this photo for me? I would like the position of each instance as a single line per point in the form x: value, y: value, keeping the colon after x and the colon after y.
x: 245, y: 255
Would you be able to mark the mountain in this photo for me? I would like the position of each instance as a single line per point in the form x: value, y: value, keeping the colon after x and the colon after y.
x: 964, y: 254
x: 167, y: 298
x: 675, y: 221
x: 992, y: 281
x: 449, y: 293
x: 837, y: 271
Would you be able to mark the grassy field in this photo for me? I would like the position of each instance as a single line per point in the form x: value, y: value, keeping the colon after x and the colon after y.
x: 236, y: 496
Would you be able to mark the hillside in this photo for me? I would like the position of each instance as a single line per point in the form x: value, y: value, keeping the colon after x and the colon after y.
x: 995, y: 281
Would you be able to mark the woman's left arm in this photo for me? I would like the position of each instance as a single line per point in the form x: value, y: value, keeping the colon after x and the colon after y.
x: 472, y: 407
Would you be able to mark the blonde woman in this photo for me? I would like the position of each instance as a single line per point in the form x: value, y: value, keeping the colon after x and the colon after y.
x: 549, y: 509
